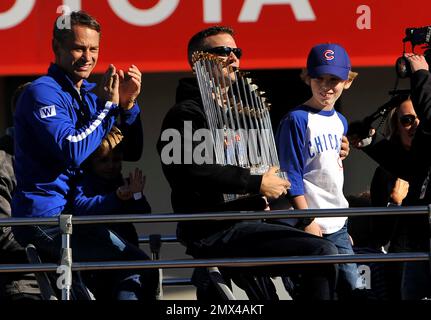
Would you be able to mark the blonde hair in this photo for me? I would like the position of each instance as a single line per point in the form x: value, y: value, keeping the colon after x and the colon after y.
x: 306, y: 77
x: 390, y: 127
x: 110, y: 142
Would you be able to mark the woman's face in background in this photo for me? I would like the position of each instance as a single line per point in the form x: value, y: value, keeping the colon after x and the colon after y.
x: 407, y: 123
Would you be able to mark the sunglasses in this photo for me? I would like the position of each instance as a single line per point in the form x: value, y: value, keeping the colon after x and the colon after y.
x: 407, y: 120
x: 225, y: 51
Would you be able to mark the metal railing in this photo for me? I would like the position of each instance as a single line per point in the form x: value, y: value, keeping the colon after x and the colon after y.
x: 65, y: 223
x: 210, y: 216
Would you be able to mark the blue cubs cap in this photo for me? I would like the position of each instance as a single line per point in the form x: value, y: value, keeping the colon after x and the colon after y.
x: 328, y: 59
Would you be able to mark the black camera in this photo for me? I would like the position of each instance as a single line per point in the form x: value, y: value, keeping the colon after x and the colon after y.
x: 362, y: 128
x: 416, y: 36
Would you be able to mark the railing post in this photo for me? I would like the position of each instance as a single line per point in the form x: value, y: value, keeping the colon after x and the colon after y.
x: 155, y: 246
x: 65, y: 221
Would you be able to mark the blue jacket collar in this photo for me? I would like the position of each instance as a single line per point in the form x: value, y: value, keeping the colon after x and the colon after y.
x: 64, y: 79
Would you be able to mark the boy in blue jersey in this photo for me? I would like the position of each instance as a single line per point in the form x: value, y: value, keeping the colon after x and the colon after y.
x: 59, y: 122
x: 103, y: 190
x: 309, y: 140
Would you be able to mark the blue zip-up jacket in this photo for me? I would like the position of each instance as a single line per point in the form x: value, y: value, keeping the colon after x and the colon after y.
x: 56, y: 129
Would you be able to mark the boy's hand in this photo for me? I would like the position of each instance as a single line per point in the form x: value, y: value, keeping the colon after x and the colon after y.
x: 345, y: 148
x: 133, y: 187
x: 123, y: 192
x: 137, y: 181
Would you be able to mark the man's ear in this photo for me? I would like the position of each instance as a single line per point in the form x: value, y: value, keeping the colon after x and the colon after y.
x: 307, y: 80
x: 55, y: 46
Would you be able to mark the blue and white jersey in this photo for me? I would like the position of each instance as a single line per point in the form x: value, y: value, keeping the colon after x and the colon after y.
x: 309, y: 143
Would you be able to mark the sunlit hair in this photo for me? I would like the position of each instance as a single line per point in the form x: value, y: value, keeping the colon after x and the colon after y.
x: 77, y: 18
x: 390, y: 127
x: 306, y: 77
x: 106, y: 147
x: 112, y: 141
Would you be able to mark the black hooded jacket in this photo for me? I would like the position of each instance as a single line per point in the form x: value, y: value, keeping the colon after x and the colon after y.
x: 199, y: 188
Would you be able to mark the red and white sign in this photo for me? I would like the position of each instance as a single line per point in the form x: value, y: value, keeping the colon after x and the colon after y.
x: 153, y: 34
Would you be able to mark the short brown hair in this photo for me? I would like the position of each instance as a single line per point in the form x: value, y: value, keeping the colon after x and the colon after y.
x: 197, y: 42
x: 80, y: 18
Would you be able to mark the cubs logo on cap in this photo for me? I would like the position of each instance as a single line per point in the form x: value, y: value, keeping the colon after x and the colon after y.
x: 330, y: 59
x: 328, y: 54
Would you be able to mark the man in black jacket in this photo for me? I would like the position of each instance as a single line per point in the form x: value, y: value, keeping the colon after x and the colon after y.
x: 200, y: 187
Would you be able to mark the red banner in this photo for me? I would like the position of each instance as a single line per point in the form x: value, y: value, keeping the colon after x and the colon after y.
x: 153, y: 34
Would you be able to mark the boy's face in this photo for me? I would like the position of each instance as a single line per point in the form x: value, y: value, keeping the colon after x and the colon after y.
x: 107, y: 167
x: 326, y: 90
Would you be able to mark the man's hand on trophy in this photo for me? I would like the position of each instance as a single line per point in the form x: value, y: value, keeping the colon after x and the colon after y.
x: 272, y: 186
x: 130, y: 86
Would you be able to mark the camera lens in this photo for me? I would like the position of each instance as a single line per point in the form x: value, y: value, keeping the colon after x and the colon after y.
x: 402, y: 68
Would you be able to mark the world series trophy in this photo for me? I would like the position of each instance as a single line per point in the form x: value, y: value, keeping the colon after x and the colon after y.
x: 238, y: 117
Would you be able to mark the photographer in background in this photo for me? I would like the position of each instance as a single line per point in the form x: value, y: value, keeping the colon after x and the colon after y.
x: 392, y: 232
x: 414, y: 166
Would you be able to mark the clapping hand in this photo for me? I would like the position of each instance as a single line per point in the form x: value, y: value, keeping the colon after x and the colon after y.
x: 109, y: 88
x: 130, y: 86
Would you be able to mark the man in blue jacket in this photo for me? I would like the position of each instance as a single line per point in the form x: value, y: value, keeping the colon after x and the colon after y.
x: 59, y: 122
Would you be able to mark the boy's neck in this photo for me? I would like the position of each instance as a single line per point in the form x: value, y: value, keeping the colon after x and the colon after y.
x: 318, y: 106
